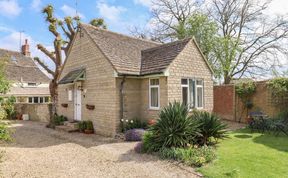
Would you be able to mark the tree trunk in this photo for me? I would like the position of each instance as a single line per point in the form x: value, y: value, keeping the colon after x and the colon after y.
x: 227, y: 79
x: 53, y: 87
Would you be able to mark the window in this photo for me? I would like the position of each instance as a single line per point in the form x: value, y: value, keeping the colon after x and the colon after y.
x: 192, y: 93
x: 154, y: 94
x: 31, y: 84
x: 69, y: 95
x: 37, y: 99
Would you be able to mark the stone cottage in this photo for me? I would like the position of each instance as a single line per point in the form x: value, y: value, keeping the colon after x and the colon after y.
x: 108, y: 76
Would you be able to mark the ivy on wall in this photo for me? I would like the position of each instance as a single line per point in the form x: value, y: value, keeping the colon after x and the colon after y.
x: 279, y: 90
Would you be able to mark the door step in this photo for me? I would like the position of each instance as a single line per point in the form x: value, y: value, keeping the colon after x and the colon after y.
x: 68, y: 126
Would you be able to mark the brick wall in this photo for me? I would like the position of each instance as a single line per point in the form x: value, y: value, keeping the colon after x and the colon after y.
x: 229, y: 106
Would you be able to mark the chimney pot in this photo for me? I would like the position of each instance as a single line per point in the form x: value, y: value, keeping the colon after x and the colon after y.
x: 25, y: 49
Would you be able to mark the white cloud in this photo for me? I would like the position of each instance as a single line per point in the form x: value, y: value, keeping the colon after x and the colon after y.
x: 278, y: 7
x: 110, y: 12
x: 147, y: 3
x: 70, y: 11
x: 10, y: 8
x: 36, y: 5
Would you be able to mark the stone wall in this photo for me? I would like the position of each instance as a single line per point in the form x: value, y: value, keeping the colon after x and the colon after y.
x: 36, y: 112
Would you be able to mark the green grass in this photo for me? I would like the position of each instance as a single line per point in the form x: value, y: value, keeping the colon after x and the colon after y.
x: 249, y: 155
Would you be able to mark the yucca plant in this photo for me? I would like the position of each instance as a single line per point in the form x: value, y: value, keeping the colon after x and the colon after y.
x: 210, y: 127
x: 174, y: 127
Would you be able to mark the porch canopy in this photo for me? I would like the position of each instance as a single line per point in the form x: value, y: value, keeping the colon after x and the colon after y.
x: 73, y: 76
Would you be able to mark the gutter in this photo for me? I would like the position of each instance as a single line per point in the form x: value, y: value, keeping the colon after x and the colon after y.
x: 122, y: 100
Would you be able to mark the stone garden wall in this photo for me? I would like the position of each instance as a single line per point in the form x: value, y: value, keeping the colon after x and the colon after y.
x: 36, y: 112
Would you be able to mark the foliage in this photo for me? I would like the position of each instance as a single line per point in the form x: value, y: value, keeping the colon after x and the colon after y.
x: 8, y: 105
x: 5, y: 134
x: 210, y: 127
x: 174, y: 128
x: 98, y: 22
x: 245, y: 89
x: 248, y: 154
x: 3, y: 113
x: 190, y: 156
x: 133, y: 124
x: 134, y: 134
x: 149, y: 145
x: 4, y: 83
x: 57, y: 120
x: 85, y: 125
x: 279, y: 86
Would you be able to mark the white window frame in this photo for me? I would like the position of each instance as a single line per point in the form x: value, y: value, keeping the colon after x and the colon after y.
x: 39, y: 99
x: 196, y: 86
x: 154, y: 86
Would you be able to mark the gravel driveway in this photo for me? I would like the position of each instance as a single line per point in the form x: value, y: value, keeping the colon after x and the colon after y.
x: 41, y: 152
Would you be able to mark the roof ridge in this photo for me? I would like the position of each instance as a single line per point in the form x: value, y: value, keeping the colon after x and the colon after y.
x: 8, y: 50
x: 123, y: 35
x: 167, y: 44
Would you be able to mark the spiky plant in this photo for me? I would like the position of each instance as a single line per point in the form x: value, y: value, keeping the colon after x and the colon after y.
x: 174, y: 127
x: 210, y: 127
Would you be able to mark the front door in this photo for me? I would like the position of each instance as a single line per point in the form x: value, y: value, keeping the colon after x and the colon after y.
x: 77, y: 104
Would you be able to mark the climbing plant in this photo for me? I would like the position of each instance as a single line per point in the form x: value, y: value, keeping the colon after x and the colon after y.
x: 279, y: 91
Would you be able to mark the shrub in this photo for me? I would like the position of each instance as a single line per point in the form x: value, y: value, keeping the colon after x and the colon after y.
x: 133, y: 124
x: 139, y: 147
x: 210, y: 126
x: 134, y: 134
x: 4, y: 133
x: 173, y: 129
x: 190, y: 156
x: 148, y: 143
x: 57, y: 120
x: 89, y: 125
x: 82, y: 126
x: 3, y: 114
x: 8, y: 106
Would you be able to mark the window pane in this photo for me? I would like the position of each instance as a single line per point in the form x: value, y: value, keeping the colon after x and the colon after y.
x: 30, y: 100
x: 184, y: 81
x: 199, y: 82
x: 41, y: 99
x: 69, y: 95
x: 199, y: 97
x: 185, y: 95
x: 154, y: 97
x: 46, y: 99
x: 192, y: 93
x: 154, y: 81
x: 36, y: 100
x: 31, y: 84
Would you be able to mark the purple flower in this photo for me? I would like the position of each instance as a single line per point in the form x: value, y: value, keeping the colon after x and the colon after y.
x: 134, y: 134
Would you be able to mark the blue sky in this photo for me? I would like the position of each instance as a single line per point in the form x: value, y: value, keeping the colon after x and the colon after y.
x: 120, y: 15
x: 18, y: 15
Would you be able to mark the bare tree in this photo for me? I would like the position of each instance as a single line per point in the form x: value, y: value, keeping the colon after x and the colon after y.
x: 59, y: 28
x: 167, y: 15
x: 249, y: 41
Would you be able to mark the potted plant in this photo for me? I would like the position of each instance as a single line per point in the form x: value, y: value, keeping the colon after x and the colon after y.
x: 89, y: 127
x: 82, y: 126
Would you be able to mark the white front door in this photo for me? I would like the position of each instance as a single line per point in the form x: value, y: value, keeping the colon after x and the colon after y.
x: 77, y: 104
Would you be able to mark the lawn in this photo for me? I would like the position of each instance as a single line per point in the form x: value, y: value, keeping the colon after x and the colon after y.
x: 250, y: 155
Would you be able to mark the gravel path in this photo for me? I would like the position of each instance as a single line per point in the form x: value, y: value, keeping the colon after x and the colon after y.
x: 41, y: 152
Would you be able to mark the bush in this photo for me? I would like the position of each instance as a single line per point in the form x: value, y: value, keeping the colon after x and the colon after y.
x: 85, y: 125
x: 4, y: 133
x: 57, y: 120
x: 210, y: 127
x: 173, y: 129
x: 133, y: 124
x: 134, y: 134
x: 3, y: 114
x: 190, y: 156
x: 8, y: 106
x: 89, y: 125
x: 139, y: 147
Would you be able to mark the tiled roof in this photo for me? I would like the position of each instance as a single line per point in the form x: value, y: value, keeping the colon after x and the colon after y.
x: 19, y: 67
x: 134, y: 56
x: 124, y: 52
x: 72, y: 76
x: 155, y: 60
x: 29, y: 91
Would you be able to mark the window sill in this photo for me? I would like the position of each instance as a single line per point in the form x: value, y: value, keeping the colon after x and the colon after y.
x: 154, y: 109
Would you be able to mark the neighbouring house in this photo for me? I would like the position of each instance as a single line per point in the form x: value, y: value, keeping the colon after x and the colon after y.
x: 109, y: 76
x: 28, y: 83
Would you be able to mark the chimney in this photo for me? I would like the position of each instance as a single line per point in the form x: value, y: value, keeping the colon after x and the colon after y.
x: 25, y: 49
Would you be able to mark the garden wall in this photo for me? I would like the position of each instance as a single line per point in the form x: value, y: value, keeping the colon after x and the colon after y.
x: 37, y: 112
x: 229, y: 106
